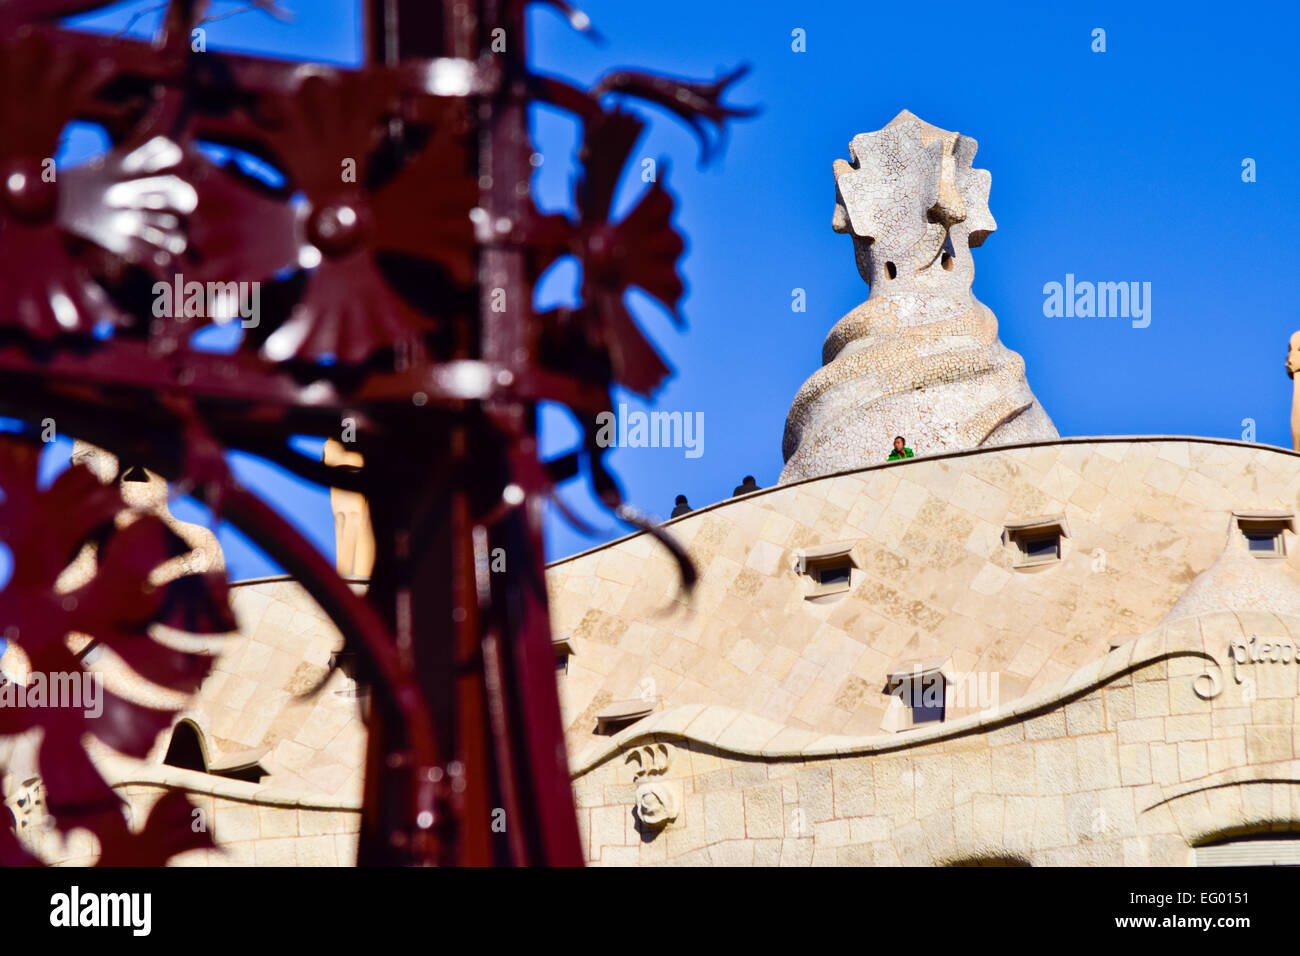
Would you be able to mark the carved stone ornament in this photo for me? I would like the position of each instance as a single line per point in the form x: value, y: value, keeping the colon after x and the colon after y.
x: 658, y: 801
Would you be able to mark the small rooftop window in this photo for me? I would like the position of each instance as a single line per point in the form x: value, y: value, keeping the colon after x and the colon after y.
x: 187, y: 751
x: 834, y: 573
x: 346, y: 661
x: 922, y: 690
x: 828, y: 566
x: 623, y: 713
x: 563, y: 650
x: 1037, y: 541
x: 1262, y: 531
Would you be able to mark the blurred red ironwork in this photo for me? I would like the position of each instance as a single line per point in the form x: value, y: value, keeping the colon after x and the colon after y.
x: 397, y: 256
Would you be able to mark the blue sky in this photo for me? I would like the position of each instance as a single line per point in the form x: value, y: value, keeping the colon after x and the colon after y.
x: 1117, y: 166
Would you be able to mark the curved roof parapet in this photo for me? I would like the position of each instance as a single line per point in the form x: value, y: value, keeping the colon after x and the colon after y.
x: 124, y: 772
x: 921, y: 461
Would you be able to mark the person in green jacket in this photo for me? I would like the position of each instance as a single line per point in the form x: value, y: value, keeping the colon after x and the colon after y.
x: 901, y: 450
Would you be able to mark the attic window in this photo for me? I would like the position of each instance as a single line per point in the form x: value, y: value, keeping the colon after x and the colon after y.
x: 622, y: 713
x: 923, y: 691
x: 563, y: 651
x: 829, y: 568
x: 831, y: 574
x: 345, y: 661
x: 1037, y: 541
x: 1262, y: 531
x: 186, y: 751
x: 1265, y: 542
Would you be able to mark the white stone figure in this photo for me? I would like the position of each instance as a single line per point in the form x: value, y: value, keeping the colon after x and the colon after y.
x: 921, y: 357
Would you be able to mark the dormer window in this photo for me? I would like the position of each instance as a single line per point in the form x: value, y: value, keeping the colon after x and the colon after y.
x: 563, y: 651
x: 833, y: 575
x: 345, y: 661
x: 623, y: 713
x: 188, y: 752
x: 1262, y: 531
x: 1036, y: 542
x: 829, y: 568
x: 1264, y: 542
x: 921, y: 692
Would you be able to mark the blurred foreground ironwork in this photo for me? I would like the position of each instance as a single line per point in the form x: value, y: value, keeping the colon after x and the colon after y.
x: 395, y: 246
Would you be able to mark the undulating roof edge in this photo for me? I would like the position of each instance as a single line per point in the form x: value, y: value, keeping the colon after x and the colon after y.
x: 947, y: 456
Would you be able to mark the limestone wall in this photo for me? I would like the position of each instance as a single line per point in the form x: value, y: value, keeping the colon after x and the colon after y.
x: 253, y: 698
x: 1134, y: 760
x: 765, y: 742
x: 935, y: 579
x: 252, y: 825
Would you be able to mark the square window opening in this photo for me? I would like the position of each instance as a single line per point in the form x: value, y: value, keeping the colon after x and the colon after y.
x: 1263, y: 542
x: 1264, y: 538
x: 828, y: 568
x: 834, y: 574
x: 1038, y: 541
x: 1044, y: 548
x: 923, y: 695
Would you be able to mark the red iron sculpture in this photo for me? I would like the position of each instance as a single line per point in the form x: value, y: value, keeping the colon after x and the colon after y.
x: 396, y: 260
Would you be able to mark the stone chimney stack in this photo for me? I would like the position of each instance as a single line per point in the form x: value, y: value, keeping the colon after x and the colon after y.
x: 921, y: 357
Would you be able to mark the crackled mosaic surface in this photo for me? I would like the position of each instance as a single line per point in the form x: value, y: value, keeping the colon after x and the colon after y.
x: 921, y: 357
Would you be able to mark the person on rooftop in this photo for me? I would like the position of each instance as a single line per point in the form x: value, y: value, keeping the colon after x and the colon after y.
x: 681, y: 508
x: 900, y: 449
x: 746, y: 485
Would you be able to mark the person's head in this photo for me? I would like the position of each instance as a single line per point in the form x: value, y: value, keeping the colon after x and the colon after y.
x: 747, y: 480
x: 681, y: 500
x: 899, y: 443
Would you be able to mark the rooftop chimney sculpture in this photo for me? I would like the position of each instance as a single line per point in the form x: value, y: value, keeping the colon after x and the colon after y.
x: 921, y: 357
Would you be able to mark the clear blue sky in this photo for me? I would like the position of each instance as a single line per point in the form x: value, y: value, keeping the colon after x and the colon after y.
x: 1116, y: 166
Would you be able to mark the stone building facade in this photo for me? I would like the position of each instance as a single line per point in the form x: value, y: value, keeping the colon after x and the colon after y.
x: 1130, y: 722
x: 1130, y: 699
